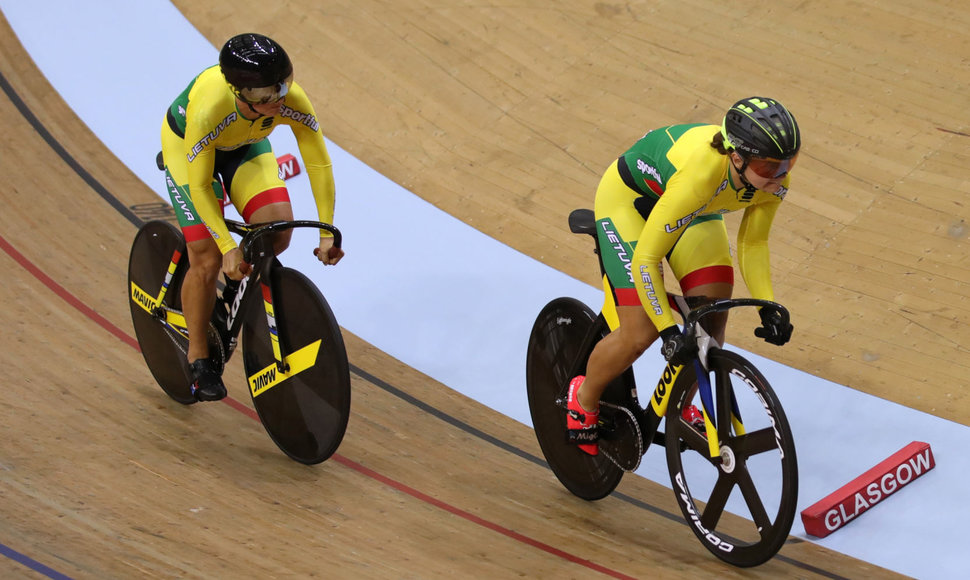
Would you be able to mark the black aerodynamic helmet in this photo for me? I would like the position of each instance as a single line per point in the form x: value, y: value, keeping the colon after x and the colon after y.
x: 253, y: 61
x: 762, y: 127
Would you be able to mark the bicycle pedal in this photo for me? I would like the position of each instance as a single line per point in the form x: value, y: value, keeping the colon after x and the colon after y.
x: 620, y: 438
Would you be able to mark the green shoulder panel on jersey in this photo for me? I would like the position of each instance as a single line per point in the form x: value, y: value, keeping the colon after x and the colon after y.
x: 176, y: 111
x: 646, y: 161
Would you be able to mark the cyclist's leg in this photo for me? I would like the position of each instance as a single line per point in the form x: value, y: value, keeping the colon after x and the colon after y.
x: 205, y: 260
x: 199, y: 293
x: 618, y: 225
x: 701, y: 261
x: 616, y: 352
x: 257, y: 191
x: 274, y: 212
x: 205, y: 263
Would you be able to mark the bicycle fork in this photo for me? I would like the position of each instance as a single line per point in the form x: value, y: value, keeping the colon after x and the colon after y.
x: 706, y: 391
x: 286, y: 363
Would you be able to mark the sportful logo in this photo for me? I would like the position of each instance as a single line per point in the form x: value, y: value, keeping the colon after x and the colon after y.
x: 650, y: 170
x: 212, y: 136
x: 305, y: 118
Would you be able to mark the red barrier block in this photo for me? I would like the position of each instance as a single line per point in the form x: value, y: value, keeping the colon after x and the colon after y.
x: 862, y: 493
x: 289, y: 166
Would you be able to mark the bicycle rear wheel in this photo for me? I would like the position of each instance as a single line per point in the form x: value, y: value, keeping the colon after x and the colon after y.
x: 305, y: 410
x: 554, y: 347
x: 756, y: 460
x: 163, y: 348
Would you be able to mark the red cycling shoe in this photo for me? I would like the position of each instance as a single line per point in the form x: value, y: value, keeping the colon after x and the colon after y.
x: 581, y: 424
x: 695, y: 418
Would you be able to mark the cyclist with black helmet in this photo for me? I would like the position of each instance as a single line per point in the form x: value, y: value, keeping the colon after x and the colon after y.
x: 665, y: 198
x: 214, y: 143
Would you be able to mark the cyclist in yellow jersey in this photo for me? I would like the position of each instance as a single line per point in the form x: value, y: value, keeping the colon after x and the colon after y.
x: 665, y: 198
x: 214, y: 142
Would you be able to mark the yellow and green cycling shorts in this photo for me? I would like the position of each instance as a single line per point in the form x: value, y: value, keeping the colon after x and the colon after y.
x: 250, y: 175
x: 702, y: 254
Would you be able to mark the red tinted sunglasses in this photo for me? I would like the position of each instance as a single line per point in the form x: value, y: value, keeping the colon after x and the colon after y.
x: 771, y: 168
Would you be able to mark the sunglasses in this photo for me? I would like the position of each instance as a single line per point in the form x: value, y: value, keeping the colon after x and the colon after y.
x: 264, y: 95
x: 771, y: 168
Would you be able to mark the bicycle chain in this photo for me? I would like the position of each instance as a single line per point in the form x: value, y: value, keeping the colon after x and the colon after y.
x: 625, y: 447
x: 178, y: 338
x: 174, y: 336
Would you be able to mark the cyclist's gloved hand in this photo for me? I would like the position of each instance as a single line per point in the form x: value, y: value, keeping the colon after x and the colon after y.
x: 775, y: 329
x: 677, y: 348
x: 233, y: 265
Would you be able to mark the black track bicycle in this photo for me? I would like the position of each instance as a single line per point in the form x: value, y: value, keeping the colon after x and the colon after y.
x: 745, y: 467
x: 293, y: 351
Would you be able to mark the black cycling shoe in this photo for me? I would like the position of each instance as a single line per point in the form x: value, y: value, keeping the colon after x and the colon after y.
x: 207, y: 384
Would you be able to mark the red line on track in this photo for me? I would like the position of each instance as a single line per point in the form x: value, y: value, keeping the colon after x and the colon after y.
x: 130, y: 341
x: 67, y: 296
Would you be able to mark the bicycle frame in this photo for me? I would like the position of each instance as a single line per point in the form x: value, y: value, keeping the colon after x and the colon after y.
x: 258, y: 251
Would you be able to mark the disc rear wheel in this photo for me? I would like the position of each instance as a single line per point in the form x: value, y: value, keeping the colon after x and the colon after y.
x: 554, y: 346
x: 163, y: 347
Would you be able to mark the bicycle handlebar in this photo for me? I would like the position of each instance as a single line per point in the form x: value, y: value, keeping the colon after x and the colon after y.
x: 254, y: 232
x: 696, y: 314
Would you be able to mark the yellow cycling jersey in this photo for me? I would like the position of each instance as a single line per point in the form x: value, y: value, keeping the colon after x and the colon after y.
x: 681, y: 180
x: 207, y: 119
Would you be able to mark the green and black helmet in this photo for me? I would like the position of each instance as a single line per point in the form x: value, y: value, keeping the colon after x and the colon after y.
x: 761, y: 127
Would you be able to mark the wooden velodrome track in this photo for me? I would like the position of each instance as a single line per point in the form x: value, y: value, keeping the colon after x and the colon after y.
x: 504, y: 116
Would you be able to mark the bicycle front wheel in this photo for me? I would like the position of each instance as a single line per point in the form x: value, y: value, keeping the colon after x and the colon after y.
x: 554, y: 347
x: 304, y: 410
x: 755, y: 473
x: 163, y: 347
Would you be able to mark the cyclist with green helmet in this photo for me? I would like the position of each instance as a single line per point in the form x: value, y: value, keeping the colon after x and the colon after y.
x: 214, y: 143
x: 665, y: 198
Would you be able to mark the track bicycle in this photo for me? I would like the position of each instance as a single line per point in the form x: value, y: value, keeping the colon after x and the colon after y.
x: 747, y: 467
x: 293, y: 351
